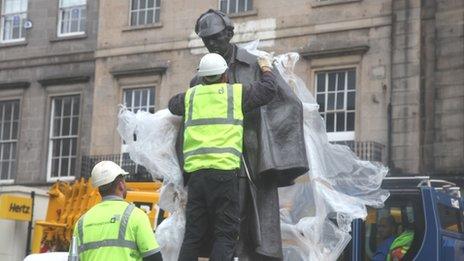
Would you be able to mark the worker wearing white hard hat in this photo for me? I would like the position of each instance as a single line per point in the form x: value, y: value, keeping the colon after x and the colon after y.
x: 213, y: 114
x: 113, y: 229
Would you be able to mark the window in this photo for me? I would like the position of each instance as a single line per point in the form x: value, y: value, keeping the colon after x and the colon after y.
x: 336, y: 96
x: 64, y: 131
x: 235, y: 6
x: 450, y: 218
x: 144, y: 12
x: 14, y: 13
x: 140, y: 99
x: 9, y: 120
x: 72, y: 17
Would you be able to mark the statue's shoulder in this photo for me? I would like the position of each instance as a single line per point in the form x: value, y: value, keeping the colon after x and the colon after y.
x: 195, y: 81
x: 244, y: 56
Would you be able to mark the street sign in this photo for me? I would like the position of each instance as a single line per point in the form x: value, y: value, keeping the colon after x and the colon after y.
x: 15, y: 207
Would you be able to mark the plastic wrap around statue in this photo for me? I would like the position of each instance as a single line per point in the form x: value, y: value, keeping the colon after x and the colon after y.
x: 316, y: 212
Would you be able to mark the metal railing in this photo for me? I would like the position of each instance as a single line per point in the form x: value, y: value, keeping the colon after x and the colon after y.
x: 365, y: 150
x: 136, y: 172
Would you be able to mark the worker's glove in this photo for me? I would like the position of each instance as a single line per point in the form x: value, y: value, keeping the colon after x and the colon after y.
x: 265, y: 62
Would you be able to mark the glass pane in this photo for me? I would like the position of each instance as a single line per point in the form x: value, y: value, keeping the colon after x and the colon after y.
x: 332, y: 77
x: 321, y: 102
x: 56, y: 127
x: 73, y: 166
x: 66, y: 106
x: 128, y: 98
x: 16, y: 110
x: 249, y: 5
x: 64, y: 167
x: 13, y: 151
x: 55, y: 165
x: 8, y: 111
x: 341, y: 81
x: 330, y: 101
x: 351, y: 80
x: 152, y: 97
x: 135, y: 5
x: 329, y: 121
x: 321, y: 82
x: 14, y: 134
x: 65, y: 131
x: 157, y: 15
x: 66, y: 147
x: 143, y: 4
x: 76, y: 106
x: 6, y: 151
x: 2, y: 106
x: 141, y: 17
x: 56, y: 148
x: 232, y: 6
x: 5, y: 169
x: 134, y: 17
x: 151, y: 3
x: 340, y: 100
x: 73, y: 146
x: 75, y: 125
x: 450, y: 218
x: 241, y: 5
x: 74, y: 26
x: 6, y: 131
x: 350, y: 121
x: 340, y: 121
x: 150, y: 17
x: 158, y: 3
x: 57, y: 107
x: 82, y: 22
x: 351, y: 101
x: 136, y: 98
x: 223, y: 6
x: 67, y: 3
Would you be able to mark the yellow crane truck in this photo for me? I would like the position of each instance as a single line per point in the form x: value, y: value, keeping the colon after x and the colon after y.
x: 67, y: 202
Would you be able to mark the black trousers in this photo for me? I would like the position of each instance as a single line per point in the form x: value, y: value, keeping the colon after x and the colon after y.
x: 212, y: 206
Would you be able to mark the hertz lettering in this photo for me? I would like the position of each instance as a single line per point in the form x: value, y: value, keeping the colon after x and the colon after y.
x: 19, y: 208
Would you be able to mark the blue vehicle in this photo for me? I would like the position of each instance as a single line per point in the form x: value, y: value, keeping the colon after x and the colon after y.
x: 425, y: 218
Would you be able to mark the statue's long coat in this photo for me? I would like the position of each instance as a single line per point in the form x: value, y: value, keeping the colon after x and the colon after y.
x: 275, y: 154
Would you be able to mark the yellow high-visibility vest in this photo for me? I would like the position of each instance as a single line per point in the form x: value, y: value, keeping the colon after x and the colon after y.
x: 213, y: 127
x: 114, y: 230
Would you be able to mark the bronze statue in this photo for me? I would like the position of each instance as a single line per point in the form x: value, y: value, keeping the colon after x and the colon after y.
x: 274, y: 150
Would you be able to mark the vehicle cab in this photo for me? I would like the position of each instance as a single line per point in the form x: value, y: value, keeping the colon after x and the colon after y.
x: 421, y: 220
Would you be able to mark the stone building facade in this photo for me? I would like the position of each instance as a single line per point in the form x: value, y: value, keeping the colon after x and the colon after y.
x: 388, y: 74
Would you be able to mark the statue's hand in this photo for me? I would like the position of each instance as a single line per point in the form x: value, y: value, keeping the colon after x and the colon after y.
x: 265, y: 62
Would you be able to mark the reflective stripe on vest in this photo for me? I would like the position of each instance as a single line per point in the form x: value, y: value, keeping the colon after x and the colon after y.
x: 119, y: 242
x: 213, y: 133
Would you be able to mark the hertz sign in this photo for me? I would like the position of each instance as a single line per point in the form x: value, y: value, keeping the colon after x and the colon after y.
x: 15, y: 207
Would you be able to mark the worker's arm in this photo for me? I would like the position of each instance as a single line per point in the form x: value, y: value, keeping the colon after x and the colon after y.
x: 176, y: 104
x: 145, y: 238
x: 259, y: 93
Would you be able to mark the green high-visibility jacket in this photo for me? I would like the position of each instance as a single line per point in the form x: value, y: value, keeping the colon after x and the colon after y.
x: 213, y: 127
x: 400, y: 246
x: 114, y: 230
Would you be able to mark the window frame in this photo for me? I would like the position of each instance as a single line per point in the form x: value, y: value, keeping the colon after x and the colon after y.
x: 2, y: 25
x: 59, y: 33
x: 339, y: 135
x: 236, y: 6
x: 51, y: 138
x: 156, y: 20
x: 11, y: 180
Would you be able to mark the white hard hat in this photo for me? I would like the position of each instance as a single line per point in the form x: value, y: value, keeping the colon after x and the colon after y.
x: 212, y: 64
x: 105, y: 172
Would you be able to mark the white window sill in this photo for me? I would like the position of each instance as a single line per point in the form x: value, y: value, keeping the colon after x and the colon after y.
x: 68, y: 179
x: 66, y: 37
x: 315, y: 3
x: 142, y: 27
x: 6, y: 181
x: 244, y: 14
x: 14, y: 43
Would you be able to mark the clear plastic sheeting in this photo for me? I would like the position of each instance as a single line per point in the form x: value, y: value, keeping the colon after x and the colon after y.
x: 316, y: 212
x: 150, y: 141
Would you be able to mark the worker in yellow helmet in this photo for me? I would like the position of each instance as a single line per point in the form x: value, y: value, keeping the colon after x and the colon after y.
x: 212, y: 151
x: 113, y: 229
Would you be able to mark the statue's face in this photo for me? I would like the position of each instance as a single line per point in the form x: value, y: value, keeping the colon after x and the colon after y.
x: 218, y: 43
